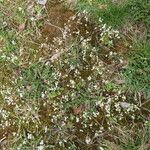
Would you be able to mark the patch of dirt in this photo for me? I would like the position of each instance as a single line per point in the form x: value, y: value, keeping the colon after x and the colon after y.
x: 60, y: 18
x: 57, y: 17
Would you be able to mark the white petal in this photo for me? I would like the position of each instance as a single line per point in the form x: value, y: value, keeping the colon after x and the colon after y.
x: 88, y: 140
x: 42, y: 2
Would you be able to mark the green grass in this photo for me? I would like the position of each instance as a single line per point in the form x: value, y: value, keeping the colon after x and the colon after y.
x: 140, y: 10
x: 137, y: 73
x: 117, y: 14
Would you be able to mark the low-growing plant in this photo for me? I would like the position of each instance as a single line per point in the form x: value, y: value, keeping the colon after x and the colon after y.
x: 140, y: 10
x: 137, y: 73
x: 110, y: 12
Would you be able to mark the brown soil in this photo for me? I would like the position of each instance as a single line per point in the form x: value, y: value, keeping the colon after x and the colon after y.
x: 57, y: 16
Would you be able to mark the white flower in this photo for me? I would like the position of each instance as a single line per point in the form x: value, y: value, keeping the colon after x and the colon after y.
x: 32, y: 18
x: 111, y: 53
x: 123, y: 97
x: 101, y: 148
x: 46, y: 129
x: 77, y: 119
x: 89, y: 78
x: 87, y: 140
x: 42, y: 2
x: 96, y: 134
x: 4, y: 23
x: 98, y: 103
x: 41, y: 147
x: 72, y: 82
x: 42, y: 142
x: 24, y: 142
x: 13, y: 42
x: 29, y: 136
x: 20, y: 8
x: 100, y: 20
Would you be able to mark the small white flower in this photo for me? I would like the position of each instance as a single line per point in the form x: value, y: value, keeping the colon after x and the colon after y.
x: 14, y: 133
x: 42, y: 142
x: 46, y: 129
x: 96, y: 134
x: 101, y: 148
x: 81, y: 130
x: 111, y: 53
x: 13, y: 42
x: 43, y: 95
x: 124, y: 97
x: 4, y: 23
x: 24, y: 142
x: 98, y: 103
x: 100, y: 20
x: 60, y: 143
x: 42, y: 2
x: 29, y: 136
x: 21, y: 95
x: 121, y: 61
x: 20, y: 8
x: 77, y: 119
x: 32, y: 18
x: 41, y: 147
x: 72, y: 82
x: 87, y: 140
x: 89, y: 78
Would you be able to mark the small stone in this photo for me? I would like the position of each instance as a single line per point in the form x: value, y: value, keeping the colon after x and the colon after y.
x: 124, y: 105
